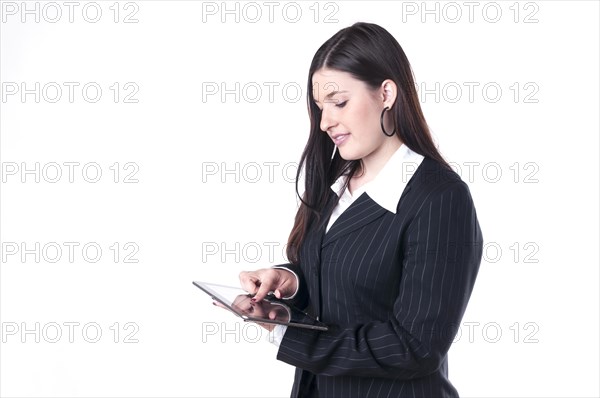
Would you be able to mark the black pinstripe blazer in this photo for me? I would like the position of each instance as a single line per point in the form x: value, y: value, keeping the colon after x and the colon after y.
x: 392, y: 287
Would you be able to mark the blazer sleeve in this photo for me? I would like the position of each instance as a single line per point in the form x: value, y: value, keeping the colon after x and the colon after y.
x: 441, y: 257
x: 300, y: 300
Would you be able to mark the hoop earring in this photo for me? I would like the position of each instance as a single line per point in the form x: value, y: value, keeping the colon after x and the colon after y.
x: 381, y: 122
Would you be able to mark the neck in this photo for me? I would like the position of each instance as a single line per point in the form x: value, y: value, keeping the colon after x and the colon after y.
x: 371, y: 165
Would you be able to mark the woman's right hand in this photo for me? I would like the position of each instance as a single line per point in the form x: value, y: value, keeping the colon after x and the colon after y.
x: 262, y: 281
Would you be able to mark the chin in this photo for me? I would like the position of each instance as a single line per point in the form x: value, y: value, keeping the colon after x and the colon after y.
x: 348, y: 154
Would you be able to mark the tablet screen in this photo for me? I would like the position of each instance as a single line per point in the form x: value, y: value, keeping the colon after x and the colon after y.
x: 269, y: 310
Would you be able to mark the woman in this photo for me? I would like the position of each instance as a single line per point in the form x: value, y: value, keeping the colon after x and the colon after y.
x: 386, y: 245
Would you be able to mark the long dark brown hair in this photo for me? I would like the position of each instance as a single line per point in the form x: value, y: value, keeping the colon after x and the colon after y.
x: 371, y: 54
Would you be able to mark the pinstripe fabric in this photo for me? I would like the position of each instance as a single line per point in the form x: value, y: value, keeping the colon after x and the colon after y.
x: 392, y: 287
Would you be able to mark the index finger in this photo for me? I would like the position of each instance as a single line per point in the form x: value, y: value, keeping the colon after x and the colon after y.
x: 249, y: 282
x: 264, y: 289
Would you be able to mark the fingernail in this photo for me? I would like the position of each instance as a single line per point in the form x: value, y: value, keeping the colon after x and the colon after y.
x: 253, y: 300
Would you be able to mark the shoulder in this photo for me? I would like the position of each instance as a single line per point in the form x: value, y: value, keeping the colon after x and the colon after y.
x: 433, y: 175
x: 432, y: 172
x: 433, y: 182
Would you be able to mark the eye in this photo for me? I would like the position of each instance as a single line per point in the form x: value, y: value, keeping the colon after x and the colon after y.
x: 341, y: 104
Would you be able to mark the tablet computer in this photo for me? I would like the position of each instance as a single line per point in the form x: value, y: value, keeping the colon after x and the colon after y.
x: 268, y: 310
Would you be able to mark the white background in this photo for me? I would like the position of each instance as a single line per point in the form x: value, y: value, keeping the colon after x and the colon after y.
x: 531, y: 328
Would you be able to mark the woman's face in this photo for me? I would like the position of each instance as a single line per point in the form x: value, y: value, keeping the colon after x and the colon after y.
x: 350, y: 114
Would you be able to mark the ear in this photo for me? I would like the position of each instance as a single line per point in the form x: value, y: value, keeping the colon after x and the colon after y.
x: 389, y: 91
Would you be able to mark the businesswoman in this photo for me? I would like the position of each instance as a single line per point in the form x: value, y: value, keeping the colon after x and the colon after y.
x: 386, y: 244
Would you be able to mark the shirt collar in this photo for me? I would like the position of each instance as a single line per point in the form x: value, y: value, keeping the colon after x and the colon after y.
x: 387, y: 187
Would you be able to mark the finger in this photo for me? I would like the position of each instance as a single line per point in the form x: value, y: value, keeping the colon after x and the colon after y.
x: 284, y: 290
x: 287, y: 285
x: 263, y: 290
x: 218, y: 304
x: 249, y: 282
x: 272, y: 315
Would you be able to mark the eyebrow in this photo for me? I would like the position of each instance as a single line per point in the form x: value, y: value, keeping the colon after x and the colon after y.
x: 331, y: 94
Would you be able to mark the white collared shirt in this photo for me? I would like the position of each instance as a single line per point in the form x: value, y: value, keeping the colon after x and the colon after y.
x: 387, y: 186
x: 385, y: 189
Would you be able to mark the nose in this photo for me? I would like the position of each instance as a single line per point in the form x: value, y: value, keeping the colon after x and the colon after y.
x: 327, y: 121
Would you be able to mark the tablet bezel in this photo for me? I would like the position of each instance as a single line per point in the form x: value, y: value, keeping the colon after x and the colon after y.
x: 206, y: 287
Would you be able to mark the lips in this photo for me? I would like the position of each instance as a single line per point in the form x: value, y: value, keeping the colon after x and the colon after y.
x: 339, y: 138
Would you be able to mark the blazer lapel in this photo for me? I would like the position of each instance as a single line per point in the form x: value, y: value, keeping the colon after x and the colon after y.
x: 361, y: 212
x: 404, y: 193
